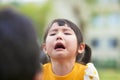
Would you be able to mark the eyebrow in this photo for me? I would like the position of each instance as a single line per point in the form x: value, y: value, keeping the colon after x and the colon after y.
x: 62, y: 29
x: 53, y: 30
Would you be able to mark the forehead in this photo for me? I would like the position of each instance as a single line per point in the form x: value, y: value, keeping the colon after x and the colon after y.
x: 56, y: 26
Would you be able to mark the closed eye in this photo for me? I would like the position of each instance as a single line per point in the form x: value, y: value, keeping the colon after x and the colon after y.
x: 67, y: 33
x: 52, y: 34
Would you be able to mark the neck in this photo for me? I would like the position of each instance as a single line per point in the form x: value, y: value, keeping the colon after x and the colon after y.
x: 62, y: 68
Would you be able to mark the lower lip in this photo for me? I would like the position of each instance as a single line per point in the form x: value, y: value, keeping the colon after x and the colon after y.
x: 59, y: 49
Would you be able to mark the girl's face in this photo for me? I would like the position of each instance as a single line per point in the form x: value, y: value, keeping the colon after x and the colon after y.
x: 61, y: 42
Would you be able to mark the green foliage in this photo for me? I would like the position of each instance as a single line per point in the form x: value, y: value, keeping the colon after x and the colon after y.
x: 108, y: 63
x: 91, y: 1
x: 109, y: 74
x: 94, y: 14
x: 38, y: 13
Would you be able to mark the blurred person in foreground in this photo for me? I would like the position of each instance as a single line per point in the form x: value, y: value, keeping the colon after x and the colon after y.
x: 19, y: 49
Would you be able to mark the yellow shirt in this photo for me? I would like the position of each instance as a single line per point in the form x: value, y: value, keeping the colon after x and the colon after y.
x: 77, y: 73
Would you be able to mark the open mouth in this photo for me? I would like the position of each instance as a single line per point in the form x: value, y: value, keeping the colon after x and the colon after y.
x: 59, y: 46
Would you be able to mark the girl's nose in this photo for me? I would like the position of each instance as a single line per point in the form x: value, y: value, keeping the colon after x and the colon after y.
x: 59, y: 36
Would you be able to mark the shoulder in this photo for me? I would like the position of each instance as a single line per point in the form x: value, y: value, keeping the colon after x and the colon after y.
x: 79, y: 66
x: 91, y: 72
x: 46, y: 65
x: 46, y: 68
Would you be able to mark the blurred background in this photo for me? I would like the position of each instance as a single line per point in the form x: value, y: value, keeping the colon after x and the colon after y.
x: 99, y: 21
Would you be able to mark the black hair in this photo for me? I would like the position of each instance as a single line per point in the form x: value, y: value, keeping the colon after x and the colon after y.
x: 19, y: 50
x: 83, y: 58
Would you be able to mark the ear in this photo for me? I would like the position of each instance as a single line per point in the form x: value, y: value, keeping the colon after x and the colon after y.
x: 44, y: 48
x: 81, y: 48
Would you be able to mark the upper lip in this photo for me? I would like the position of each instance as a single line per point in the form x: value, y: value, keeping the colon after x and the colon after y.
x: 59, y: 45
